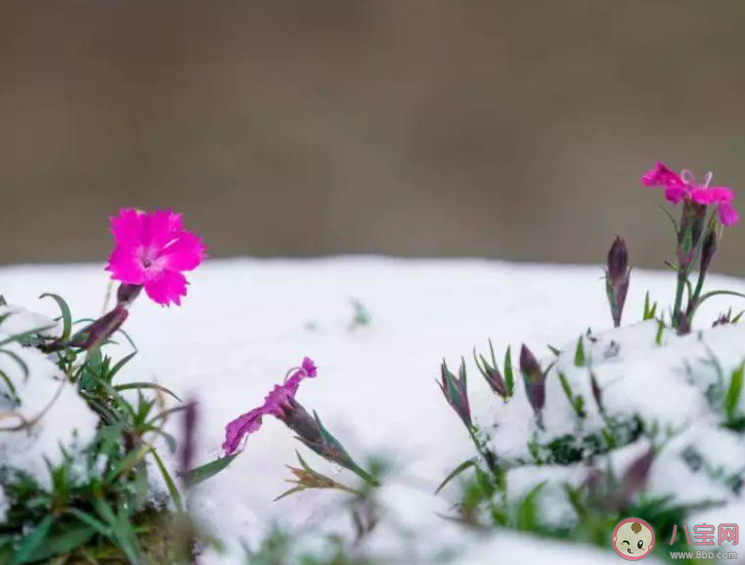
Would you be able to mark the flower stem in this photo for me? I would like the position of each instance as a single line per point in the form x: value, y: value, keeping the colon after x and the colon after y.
x: 364, y: 475
x: 682, y: 279
x: 486, y: 455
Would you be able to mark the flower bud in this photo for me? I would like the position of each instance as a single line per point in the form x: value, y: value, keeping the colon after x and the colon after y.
x: 301, y: 422
x: 101, y: 330
x: 535, y: 380
x: 635, y: 476
x: 709, y: 249
x: 617, y: 278
x: 127, y: 293
x: 597, y: 392
x: 456, y: 392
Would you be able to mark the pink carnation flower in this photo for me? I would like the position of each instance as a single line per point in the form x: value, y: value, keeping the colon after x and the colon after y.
x: 683, y: 187
x: 152, y: 249
x: 278, y: 400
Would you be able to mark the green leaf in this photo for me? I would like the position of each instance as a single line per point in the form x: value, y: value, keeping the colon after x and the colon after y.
x: 509, y: 374
x: 131, y: 386
x: 66, y: 315
x: 577, y: 402
x: 579, y: 354
x: 32, y: 541
x: 649, y: 311
x: 713, y: 293
x: 528, y: 510
x: 200, y: 474
x: 63, y: 543
x: 660, y: 331
x: 116, y: 368
x: 24, y: 335
x: 173, y: 491
x: 90, y: 521
x: 6, y: 379
x: 734, y: 392
x: 17, y: 358
x: 455, y: 472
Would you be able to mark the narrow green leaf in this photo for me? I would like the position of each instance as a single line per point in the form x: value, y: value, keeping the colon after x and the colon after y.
x: 579, y: 354
x: 63, y: 543
x: 660, y: 331
x: 200, y: 474
x: 130, y: 386
x: 32, y: 541
x: 455, y: 472
x: 90, y: 521
x: 734, y: 392
x: 17, y: 358
x: 173, y: 491
x: 509, y: 374
x: 66, y: 314
x: 116, y: 368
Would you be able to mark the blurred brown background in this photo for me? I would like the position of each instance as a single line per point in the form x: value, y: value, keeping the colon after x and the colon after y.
x: 507, y: 129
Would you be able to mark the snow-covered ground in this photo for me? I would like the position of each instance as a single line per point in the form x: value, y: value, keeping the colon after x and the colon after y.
x: 245, y: 322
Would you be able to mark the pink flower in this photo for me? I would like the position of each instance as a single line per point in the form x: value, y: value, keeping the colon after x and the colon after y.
x: 152, y: 249
x: 276, y: 403
x: 683, y: 186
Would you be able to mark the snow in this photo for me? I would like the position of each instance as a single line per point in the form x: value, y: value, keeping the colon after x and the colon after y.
x: 245, y: 322
x: 55, y: 415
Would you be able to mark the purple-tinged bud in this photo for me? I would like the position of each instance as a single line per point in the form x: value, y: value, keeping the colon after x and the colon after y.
x: 618, y: 259
x: 495, y: 380
x: 127, y: 293
x: 491, y: 374
x: 301, y: 422
x: 689, y: 232
x: 635, y: 477
x: 617, y: 278
x: 597, y: 392
x: 709, y: 249
x: 535, y: 380
x: 101, y: 330
x: 456, y: 392
x: 726, y: 318
x: 315, y: 436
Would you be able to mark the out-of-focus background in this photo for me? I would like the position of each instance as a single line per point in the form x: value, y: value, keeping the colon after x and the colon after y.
x: 496, y: 128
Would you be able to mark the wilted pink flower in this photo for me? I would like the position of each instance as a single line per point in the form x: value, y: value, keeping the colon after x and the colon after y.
x: 275, y: 404
x: 683, y: 186
x: 152, y: 249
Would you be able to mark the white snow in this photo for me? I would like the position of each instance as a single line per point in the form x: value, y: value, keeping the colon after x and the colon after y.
x: 245, y: 322
x: 47, y: 407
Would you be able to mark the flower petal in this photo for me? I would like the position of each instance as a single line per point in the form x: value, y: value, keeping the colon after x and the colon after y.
x: 675, y: 194
x: 185, y: 253
x: 125, y: 266
x: 308, y: 370
x: 128, y: 227
x: 243, y: 425
x: 727, y: 214
x: 165, y: 287
x: 161, y: 228
x: 720, y: 194
x: 663, y: 176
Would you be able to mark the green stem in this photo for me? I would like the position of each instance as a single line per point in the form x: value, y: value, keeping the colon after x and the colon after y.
x: 682, y: 278
x: 364, y: 475
x: 487, y: 456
